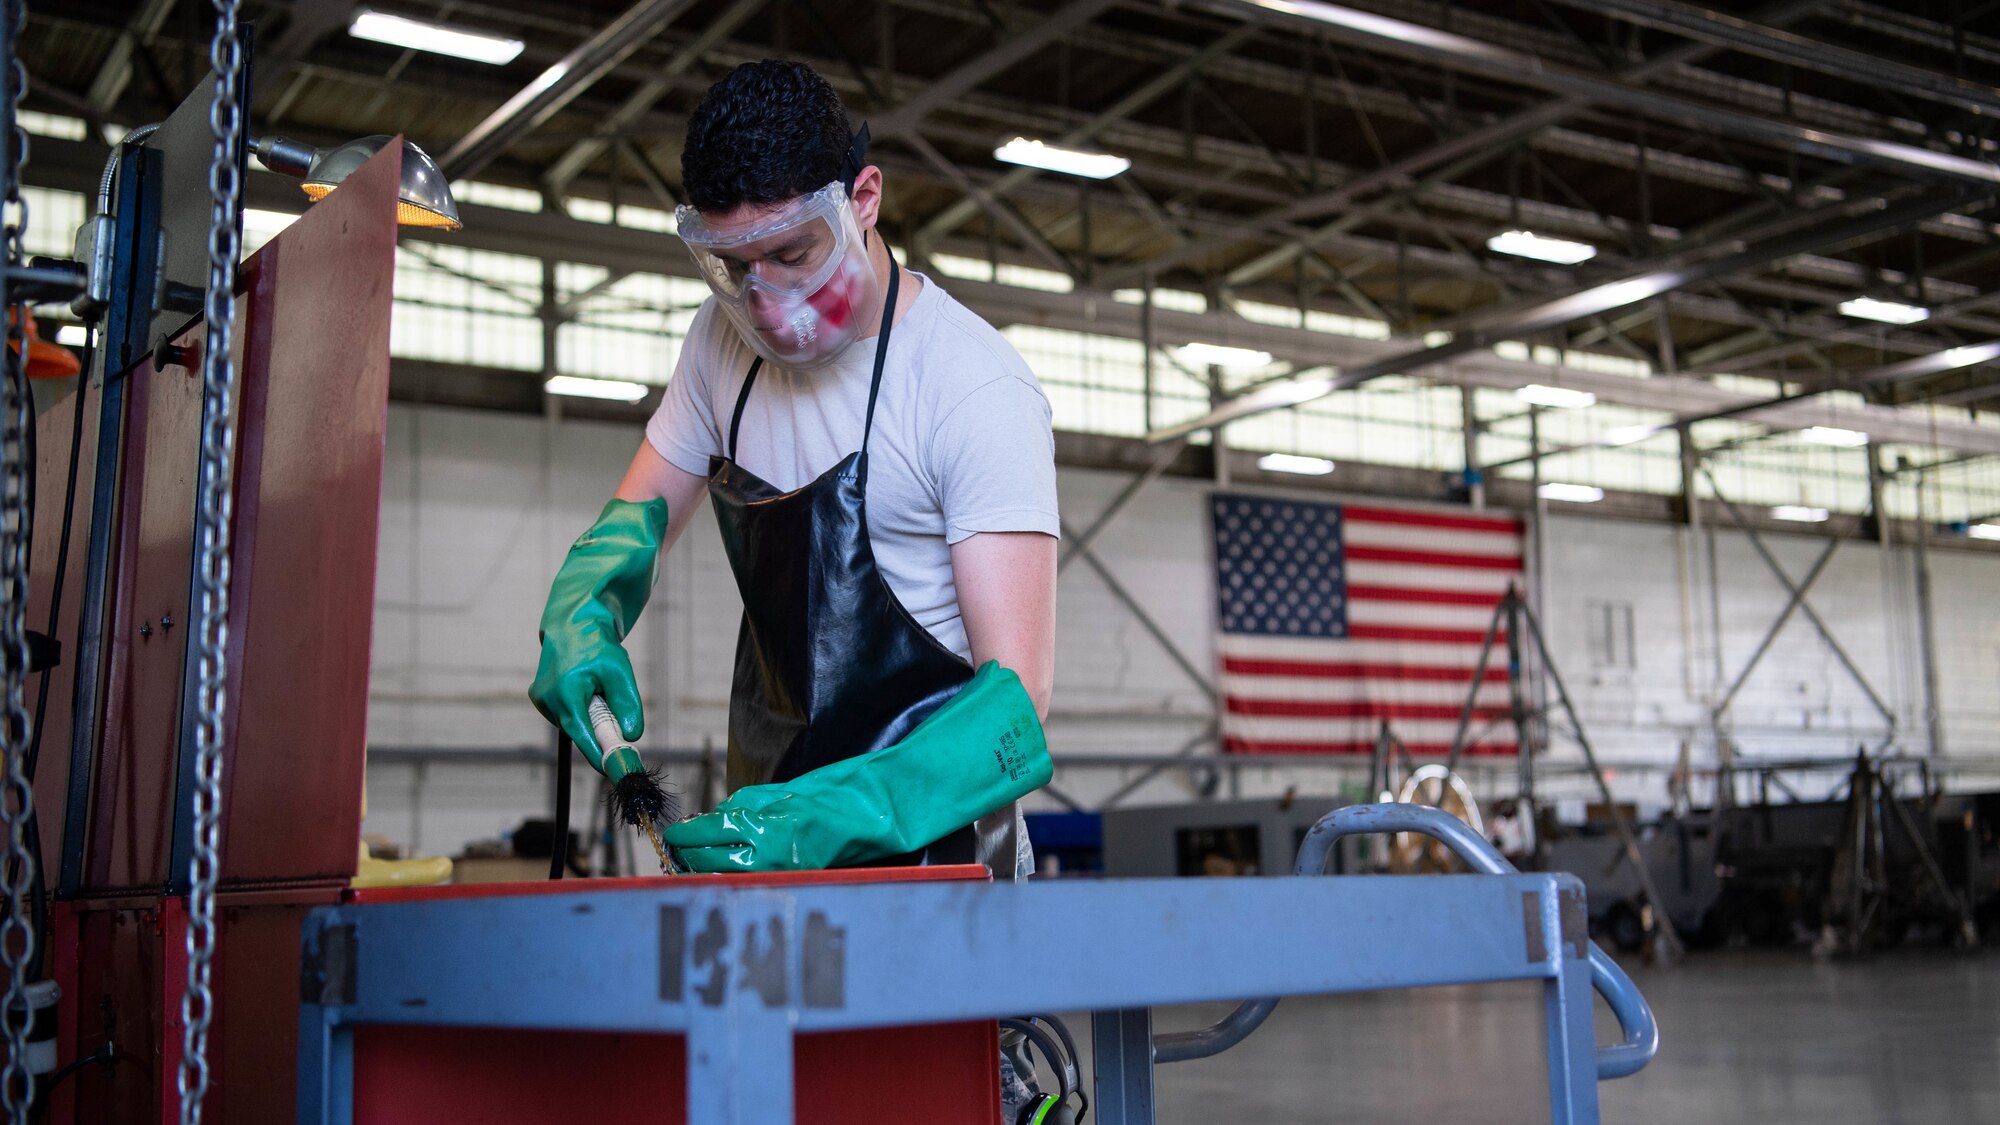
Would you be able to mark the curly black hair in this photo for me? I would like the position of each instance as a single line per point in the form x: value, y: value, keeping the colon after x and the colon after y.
x: 767, y: 132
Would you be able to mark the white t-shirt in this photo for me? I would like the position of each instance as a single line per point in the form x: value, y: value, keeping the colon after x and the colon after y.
x: 962, y: 440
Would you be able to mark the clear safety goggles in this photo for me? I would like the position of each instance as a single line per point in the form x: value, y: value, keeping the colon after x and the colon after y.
x: 787, y: 255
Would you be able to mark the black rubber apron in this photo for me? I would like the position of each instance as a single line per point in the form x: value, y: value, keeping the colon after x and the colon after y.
x: 828, y: 662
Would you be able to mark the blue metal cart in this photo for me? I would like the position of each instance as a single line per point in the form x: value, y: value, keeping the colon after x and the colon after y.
x: 740, y: 971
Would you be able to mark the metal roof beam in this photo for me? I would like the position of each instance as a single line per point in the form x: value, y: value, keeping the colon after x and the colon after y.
x: 636, y: 105
x: 115, y: 72
x: 1001, y: 212
x: 308, y: 22
x: 1009, y: 53
x: 1400, y: 172
x: 559, y: 85
x: 1423, y: 43
x: 952, y: 217
x: 1722, y: 29
x: 1676, y: 273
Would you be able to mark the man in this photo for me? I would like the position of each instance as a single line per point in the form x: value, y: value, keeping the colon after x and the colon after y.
x: 881, y: 465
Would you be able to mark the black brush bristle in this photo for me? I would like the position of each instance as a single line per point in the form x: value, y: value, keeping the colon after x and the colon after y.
x: 642, y: 795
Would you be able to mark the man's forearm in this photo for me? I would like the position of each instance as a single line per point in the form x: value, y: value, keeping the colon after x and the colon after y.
x: 1007, y: 599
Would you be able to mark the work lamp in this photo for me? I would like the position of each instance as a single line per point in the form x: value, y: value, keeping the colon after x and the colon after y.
x: 423, y: 199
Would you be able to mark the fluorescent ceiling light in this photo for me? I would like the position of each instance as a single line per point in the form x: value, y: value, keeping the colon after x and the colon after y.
x: 1574, y: 493
x: 616, y: 389
x: 1528, y: 244
x: 422, y: 35
x: 1799, y: 513
x: 1834, y: 436
x: 1888, y: 312
x: 1293, y: 463
x: 1053, y: 158
x: 1627, y: 435
x: 1562, y: 398
x: 1984, y: 531
x: 1216, y: 355
x: 71, y: 335
x: 1968, y: 354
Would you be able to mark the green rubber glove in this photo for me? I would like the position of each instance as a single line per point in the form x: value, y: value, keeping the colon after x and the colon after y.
x: 597, y: 595
x: 979, y: 752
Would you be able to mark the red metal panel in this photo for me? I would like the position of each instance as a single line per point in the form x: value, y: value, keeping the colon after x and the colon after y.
x: 315, y: 382
x: 254, y: 1050
x: 945, y: 1074
x: 132, y: 798
x: 121, y: 967
x: 124, y: 968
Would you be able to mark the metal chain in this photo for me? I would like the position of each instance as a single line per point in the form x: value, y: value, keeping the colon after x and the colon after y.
x: 17, y: 933
x: 212, y: 528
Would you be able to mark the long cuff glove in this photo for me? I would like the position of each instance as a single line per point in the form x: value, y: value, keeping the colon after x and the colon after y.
x: 979, y: 752
x: 597, y: 596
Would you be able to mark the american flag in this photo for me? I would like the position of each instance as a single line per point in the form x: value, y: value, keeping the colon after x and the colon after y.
x: 1335, y: 618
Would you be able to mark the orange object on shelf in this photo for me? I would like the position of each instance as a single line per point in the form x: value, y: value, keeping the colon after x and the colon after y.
x: 46, y: 360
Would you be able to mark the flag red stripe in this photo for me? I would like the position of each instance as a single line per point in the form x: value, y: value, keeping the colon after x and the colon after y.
x: 1412, y: 633
x: 1418, y: 596
x: 1356, y: 709
x: 1429, y: 519
x: 1355, y: 746
x: 1433, y: 558
x: 1355, y: 670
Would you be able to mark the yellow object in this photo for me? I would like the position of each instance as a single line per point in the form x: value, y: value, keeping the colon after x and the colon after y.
x: 425, y: 872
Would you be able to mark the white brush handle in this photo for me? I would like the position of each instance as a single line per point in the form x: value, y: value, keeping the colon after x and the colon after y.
x: 604, y: 725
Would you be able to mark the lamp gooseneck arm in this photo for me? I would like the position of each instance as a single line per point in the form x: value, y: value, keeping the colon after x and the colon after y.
x: 285, y: 156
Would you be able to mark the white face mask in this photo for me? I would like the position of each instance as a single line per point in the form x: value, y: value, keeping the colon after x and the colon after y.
x: 796, y: 283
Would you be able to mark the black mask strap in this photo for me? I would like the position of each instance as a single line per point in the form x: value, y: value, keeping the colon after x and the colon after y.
x: 855, y: 159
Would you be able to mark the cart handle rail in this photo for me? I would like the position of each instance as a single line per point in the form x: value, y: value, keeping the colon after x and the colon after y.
x: 1635, y: 1017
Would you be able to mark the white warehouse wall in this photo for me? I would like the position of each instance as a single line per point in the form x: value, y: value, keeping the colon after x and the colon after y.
x: 479, y: 507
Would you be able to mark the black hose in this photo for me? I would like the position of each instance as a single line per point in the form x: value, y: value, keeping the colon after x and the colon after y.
x: 559, y: 839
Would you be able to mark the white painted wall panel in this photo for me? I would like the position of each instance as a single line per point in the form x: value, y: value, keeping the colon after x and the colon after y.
x: 479, y: 507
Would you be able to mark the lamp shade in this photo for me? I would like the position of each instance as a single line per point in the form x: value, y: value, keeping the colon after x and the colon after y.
x: 423, y: 199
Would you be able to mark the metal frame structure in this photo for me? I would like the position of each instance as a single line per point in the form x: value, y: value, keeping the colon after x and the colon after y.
x: 808, y: 958
x: 1227, y: 194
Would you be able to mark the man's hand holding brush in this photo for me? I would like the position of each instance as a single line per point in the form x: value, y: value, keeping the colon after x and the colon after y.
x: 584, y: 681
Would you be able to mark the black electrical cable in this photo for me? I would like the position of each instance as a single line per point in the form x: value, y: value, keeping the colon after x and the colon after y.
x: 106, y: 1054
x: 38, y: 883
x: 559, y: 839
x: 62, y: 543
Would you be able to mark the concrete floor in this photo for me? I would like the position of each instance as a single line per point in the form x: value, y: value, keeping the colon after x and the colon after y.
x: 1748, y: 1036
